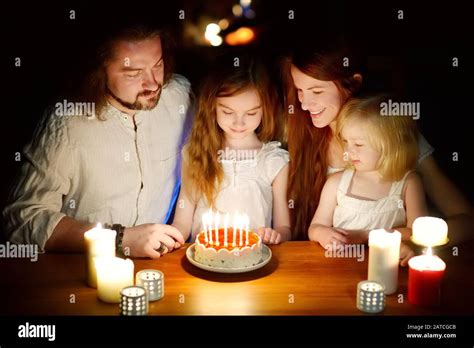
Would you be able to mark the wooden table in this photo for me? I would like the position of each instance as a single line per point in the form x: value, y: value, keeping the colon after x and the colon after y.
x: 299, y: 280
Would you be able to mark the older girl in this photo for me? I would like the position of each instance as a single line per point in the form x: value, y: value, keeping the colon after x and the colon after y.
x: 230, y: 163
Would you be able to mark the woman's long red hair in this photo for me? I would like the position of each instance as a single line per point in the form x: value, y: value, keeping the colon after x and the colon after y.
x: 308, y: 145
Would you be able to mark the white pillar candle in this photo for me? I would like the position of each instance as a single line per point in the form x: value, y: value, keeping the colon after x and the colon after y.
x: 100, y: 242
x: 429, y: 231
x: 113, y: 274
x: 384, y: 256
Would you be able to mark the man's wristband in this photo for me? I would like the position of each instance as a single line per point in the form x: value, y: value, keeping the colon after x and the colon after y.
x: 119, y: 237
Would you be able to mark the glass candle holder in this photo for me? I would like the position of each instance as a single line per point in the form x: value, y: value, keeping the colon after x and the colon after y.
x: 370, y: 296
x: 153, y: 282
x: 133, y: 301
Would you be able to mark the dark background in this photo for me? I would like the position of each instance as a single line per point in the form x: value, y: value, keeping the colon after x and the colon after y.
x: 412, y: 56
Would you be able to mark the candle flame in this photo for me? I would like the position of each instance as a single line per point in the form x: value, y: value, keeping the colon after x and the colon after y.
x: 429, y: 251
x: 99, y: 225
x: 226, y: 220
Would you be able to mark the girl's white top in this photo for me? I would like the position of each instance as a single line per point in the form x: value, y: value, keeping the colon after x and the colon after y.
x: 353, y: 213
x: 247, y: 188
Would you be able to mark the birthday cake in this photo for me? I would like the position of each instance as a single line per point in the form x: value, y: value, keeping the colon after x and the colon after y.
x: 239, y: 250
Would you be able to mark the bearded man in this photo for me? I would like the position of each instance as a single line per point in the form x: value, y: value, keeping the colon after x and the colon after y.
x: 119, y: 167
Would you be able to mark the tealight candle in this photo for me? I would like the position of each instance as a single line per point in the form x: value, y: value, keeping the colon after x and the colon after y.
x: 384, y: 256
x: 370, y: 297
x: 133, y: 301
x: 113, y: 274
x: 425, y: 273
x: 429, y: 231
x: 100, y: 242
x: 153, y: 282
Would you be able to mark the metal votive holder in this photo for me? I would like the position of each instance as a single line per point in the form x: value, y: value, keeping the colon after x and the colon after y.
x: 133, y: 301
x: 370, y: 296
x: 153, y: 281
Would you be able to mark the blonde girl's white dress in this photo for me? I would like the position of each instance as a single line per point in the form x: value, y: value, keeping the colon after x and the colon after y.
x: 353, y: 213
x: 247, y: 187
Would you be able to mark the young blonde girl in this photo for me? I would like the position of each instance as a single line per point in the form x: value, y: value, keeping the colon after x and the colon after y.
x: 230, y: 163
x: 379, y: 188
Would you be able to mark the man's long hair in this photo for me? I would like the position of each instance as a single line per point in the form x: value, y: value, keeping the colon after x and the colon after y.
x: 94, y: 86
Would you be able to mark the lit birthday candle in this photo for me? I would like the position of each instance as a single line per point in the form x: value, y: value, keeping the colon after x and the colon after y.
x: 241, y: 226
x: 217, y: 219
x: 234, y: 229
x: 204, y: 225
x: 226, y: 224
x: 209, y: 227
x: 247, y: 221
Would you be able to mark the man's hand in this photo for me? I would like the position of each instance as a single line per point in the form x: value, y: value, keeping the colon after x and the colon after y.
x: 145, y: 240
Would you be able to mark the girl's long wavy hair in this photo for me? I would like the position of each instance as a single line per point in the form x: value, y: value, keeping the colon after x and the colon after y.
x: 307, y: 144
x: 202, y: 171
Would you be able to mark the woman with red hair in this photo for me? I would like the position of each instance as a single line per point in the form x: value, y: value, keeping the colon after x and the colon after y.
x: 317, y: 85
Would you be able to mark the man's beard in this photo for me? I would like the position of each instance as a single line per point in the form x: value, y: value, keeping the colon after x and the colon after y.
x: 138, y: 105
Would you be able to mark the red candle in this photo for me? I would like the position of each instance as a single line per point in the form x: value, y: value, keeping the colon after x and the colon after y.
x: 425, y: 274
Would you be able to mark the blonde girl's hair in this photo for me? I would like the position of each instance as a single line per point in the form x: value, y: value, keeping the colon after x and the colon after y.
x: 394, y: 137
x: 202, y: 170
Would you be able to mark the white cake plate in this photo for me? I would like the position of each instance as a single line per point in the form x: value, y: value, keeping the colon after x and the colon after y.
x: 266, y: 257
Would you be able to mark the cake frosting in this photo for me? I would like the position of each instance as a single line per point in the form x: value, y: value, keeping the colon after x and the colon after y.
x: 230, y: 255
